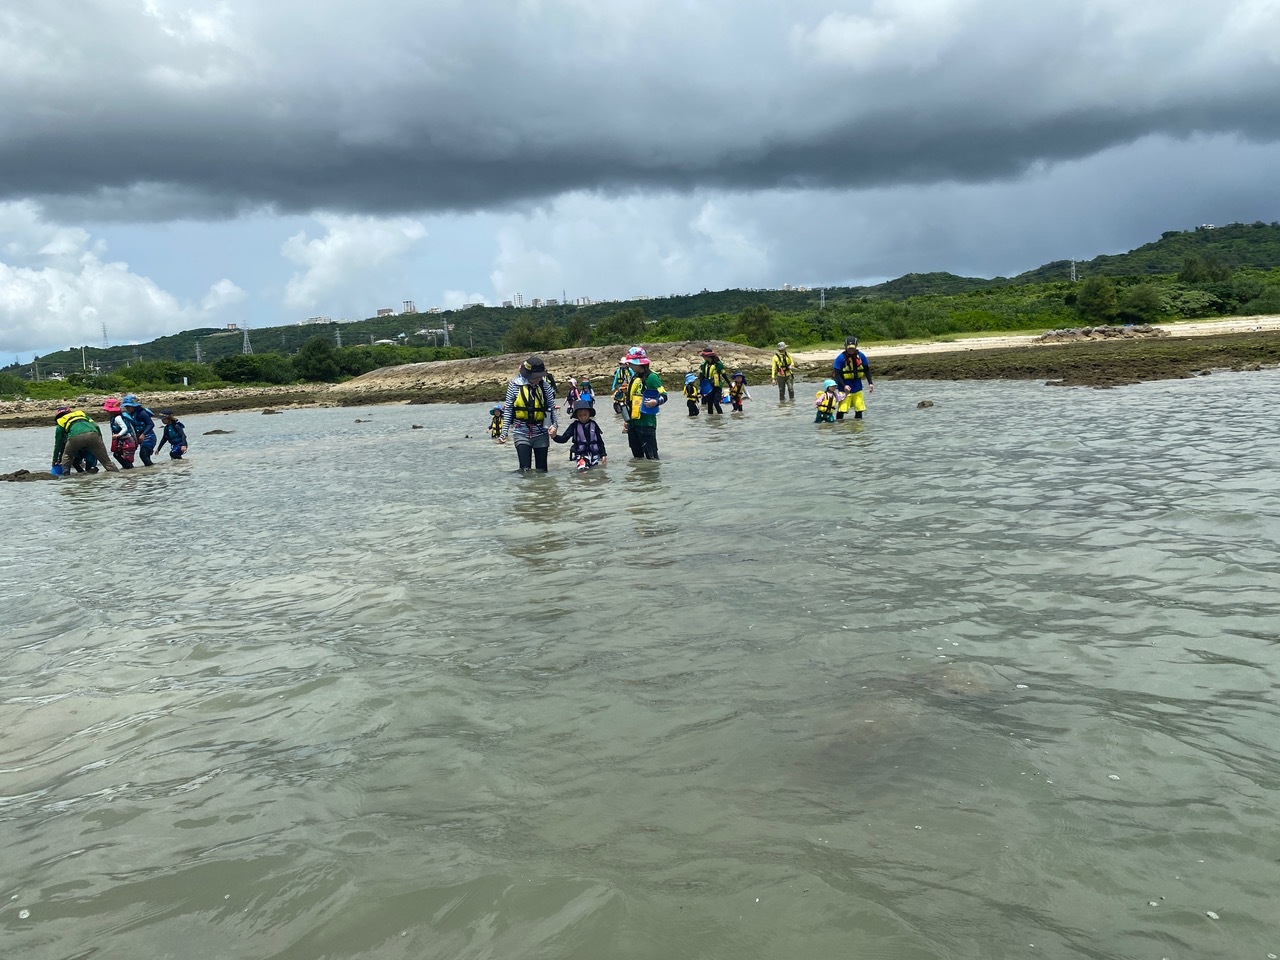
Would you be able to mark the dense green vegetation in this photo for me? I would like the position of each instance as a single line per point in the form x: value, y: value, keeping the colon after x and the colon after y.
x: 1205, y: 272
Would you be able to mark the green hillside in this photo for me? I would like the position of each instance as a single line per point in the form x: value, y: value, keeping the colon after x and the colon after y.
x: 1238, y: 245
x: 1204, y: 272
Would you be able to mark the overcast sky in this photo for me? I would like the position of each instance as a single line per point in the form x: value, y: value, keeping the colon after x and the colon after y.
x: 168, y: 165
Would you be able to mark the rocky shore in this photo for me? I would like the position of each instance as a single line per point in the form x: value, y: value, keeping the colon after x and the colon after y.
x: 1098, y: 356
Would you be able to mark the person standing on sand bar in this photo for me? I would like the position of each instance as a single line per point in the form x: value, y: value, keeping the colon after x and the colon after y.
x: 781, y: 373
x: 530, y: 403
x: 851, y: 368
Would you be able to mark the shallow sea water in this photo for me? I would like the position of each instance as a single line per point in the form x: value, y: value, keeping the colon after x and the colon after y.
x: 992, y: 679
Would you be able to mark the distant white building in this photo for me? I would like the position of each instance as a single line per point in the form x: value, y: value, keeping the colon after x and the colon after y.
x: 385, y: 312
x: 507, y: 303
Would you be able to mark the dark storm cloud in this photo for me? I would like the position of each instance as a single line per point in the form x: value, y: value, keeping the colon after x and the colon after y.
x: 154, y: 112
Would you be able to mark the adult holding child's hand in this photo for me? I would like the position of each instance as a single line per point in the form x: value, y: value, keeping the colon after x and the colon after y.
x: 529, y: 414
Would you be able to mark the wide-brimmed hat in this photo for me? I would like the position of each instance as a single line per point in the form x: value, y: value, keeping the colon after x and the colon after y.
x: 690, y: 377
x: 639, y: 361
x: 707, y: 352
x: 584, y: 405
x: 62, y: 411
x: 828, y: 384
x: 635, y: 353
x: 534, y: 365
x: 782, y: 345
x: 130, y: 400
x: 496, y: 408
x: 111, y: 405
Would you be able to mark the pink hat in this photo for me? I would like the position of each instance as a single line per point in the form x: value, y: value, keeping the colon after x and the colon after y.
x: 635, y: 353
x: 111, y: 405
x: 639, y: 361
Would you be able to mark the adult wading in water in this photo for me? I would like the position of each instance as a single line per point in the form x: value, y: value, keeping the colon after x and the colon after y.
x: 75, y: 433
x: 644, y: 396
x: 851, y: 368
x: 782, y: 373
x: 712, y: 380
x: 529, y: 405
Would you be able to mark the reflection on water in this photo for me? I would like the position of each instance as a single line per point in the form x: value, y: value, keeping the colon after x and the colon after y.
x: 943, y: 683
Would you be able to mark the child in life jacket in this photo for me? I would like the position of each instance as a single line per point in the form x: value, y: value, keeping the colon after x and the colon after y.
x: 174, y: 434
x: 827, y: 400
x: 495, y: 421
x: 738, y: 390
x: 124, y: 436
x: 588, y: 441
x: 692, y: 395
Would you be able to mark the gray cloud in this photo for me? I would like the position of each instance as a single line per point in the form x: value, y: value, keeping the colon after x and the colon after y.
x: 124, y: 113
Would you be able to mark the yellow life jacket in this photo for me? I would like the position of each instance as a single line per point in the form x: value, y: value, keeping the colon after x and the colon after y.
x: 67, y: 419
x: 635, y: 394
x: 825, y: 402
x: 783, y: 359
x: 495, y: 425
x: 531, y: 404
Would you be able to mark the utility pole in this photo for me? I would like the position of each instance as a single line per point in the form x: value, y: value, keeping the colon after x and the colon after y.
x: 199, y: 358
x: 822, y: 298
x: 1073, y: 271
x: 84, y: 364
x: 105, y: 343
x: 337, y: 335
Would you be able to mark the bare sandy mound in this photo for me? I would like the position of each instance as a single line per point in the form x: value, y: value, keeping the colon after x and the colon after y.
x: 491, y: 374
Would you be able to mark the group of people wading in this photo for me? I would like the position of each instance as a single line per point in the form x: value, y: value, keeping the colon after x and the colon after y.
x: 78, y: 443
x: 528, y: 416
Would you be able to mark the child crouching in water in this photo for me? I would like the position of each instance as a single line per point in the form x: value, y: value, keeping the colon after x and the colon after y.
x: 588, y: 442
x: 826, y: 402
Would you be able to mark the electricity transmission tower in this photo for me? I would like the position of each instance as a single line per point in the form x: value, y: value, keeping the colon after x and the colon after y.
x: 248, y: 347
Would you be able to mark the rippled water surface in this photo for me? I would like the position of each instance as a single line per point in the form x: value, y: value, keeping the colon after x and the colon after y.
x: 992, y: 679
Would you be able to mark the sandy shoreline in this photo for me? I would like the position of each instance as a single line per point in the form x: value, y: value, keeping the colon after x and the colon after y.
x: 485, y: 378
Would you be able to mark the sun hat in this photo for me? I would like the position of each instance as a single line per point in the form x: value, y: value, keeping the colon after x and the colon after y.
x: 111, y: 405
x: 636, y: 352
x: 130, y: 400
x: 166, y: 412
x: 496, y: 408
x: 534, y: 365
x: 737, y: 374
x: 584, y: 405
x: 782, y: 345
x: 639, y: 361
x: 62, y: 411
x: 690, y: 377
x: 828, y: 384
x: 708, y: 352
